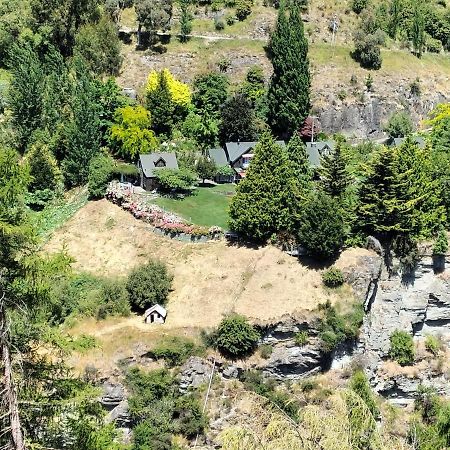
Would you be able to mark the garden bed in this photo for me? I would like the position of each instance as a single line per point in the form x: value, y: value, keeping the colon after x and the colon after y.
x: 164, y: 222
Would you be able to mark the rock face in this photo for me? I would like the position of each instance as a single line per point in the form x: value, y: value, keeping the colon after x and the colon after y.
x: 367, y: 117
x: 114, y: 399
x: 419, y: 304
x: 194, y: 373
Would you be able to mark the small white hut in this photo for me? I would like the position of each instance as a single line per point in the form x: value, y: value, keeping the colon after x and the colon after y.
x: 155, y: 314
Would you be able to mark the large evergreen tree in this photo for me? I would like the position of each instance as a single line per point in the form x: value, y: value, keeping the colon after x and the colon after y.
x: 334, y: 175
x: 289, y: 90
x: 265, y: 199
x: 298, y: 157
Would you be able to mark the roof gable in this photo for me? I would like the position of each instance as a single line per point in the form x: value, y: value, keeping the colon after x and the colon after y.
x: 150, y: 162
x: 237, y: 149
x: 158, y: 309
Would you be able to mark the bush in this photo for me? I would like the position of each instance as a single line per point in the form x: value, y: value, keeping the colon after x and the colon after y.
x: 265, y: 351
x: 100, y: 174
x: 231, y: 20
x: 236, y: 337
x: 359, y: 5
x: 441, y: 244
x: 301, y: 338
x: 175, y: 350
x: 188, y: 417
x: 399, y: 125
x: 175, y: 179
x: 402, y: 348
x: 360, y: 385
x: 115, y: 299
x: 243, y: 9
x: 333, y: 277
x: 148, y: 285
x: 219, y: 24
x: 432, y: 344
x: 367, y: 50
x: 336, y: 328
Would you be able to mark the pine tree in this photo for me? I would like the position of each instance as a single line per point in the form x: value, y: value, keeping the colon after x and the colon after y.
x: 298, y: 157
x: 289, y: 90
x: 335, y: 178
x: 265, y: 201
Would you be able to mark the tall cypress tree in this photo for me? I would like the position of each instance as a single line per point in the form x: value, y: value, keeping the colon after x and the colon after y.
x: 265, y: 199
x: 418, y: 30
x: 289, y: 90
x: 335, y: 177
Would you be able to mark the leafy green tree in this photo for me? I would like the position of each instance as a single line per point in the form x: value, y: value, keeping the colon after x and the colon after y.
x: 298, y: 158
x: 399, y: 125
x: 131, y: 134
x: 206, y: 168
x: 334, y: 175
x: 210, y: 93
x: 254, y: 86
x: 367, y: 50
x: 175, y: 179
x: 203, y: 128
x: 441, y: 245
x: 237, y: 120
x: 321, y: 229
x: 359, y: 5
x: 394, y: 14
x: 153, y: 15
x: 265, y: 199
x: 57, y: 21
x: 235, y: 337
x: 99, y: 45
x: 149, y: 284
x: 289, y: 90
x: 185, y: 21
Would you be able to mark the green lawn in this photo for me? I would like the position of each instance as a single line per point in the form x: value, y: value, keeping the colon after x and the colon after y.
x: 207, y: 206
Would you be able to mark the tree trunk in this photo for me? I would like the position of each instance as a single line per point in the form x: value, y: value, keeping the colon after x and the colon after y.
x: 9, y: 389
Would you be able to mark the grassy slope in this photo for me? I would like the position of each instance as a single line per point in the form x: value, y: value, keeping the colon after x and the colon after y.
x: 208, y: 206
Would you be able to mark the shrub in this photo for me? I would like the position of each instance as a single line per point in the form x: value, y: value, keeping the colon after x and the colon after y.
x: 175, y: 350
x: 333, y: 277
x: 265, y: 351
x: 243, y: 9
x: 100, y: 174
x: 399, y: 125
x: 360, y: 385
x: 115, y: 299
x: 432, y: 344
x: 231, y: 20
x: 369, y: 82
x: 175, y: 179
x: 219, y: 24
x: 367, y: 50
x: 359, y: 5
x: 402, y: 348
x: 336, y: 328
x: 441, y: 244
x: 301, y: 338
x: 414, y: 87
x: 236, y: 337
x: 188, y: 417
x: 149, y: 284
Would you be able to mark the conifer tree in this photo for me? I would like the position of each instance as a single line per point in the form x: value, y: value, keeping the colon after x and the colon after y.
x: 418, y: 30
x: 289, y: 90
x: 161, y: 106
x: 335, y: 177
x: 265, y: 201
x: 298, y: 157
x: 185, y: 21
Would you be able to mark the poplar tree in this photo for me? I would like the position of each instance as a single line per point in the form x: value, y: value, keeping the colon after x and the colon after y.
x: 418, y: 30
x: 335, y: 178
x: 289, y: 90
x: 265, y: 201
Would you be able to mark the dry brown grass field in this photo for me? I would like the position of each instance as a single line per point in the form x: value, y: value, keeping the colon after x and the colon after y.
x: 210, y: 280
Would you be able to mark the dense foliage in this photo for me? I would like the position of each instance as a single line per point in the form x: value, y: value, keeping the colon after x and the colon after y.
x: 148, y: 285
x: 402, y: 348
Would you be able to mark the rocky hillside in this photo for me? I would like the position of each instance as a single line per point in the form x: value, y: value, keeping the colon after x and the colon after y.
x: 340, y: 96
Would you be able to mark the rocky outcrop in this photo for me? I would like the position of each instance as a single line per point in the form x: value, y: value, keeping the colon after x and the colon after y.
x: 114, y: 399
x: 293, y: 362
x: 195, y: 372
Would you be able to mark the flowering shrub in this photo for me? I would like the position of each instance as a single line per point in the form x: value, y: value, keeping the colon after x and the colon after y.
x: 154, y: 215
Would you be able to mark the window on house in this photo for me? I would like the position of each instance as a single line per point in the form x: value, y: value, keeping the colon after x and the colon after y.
x: 160, y: 163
